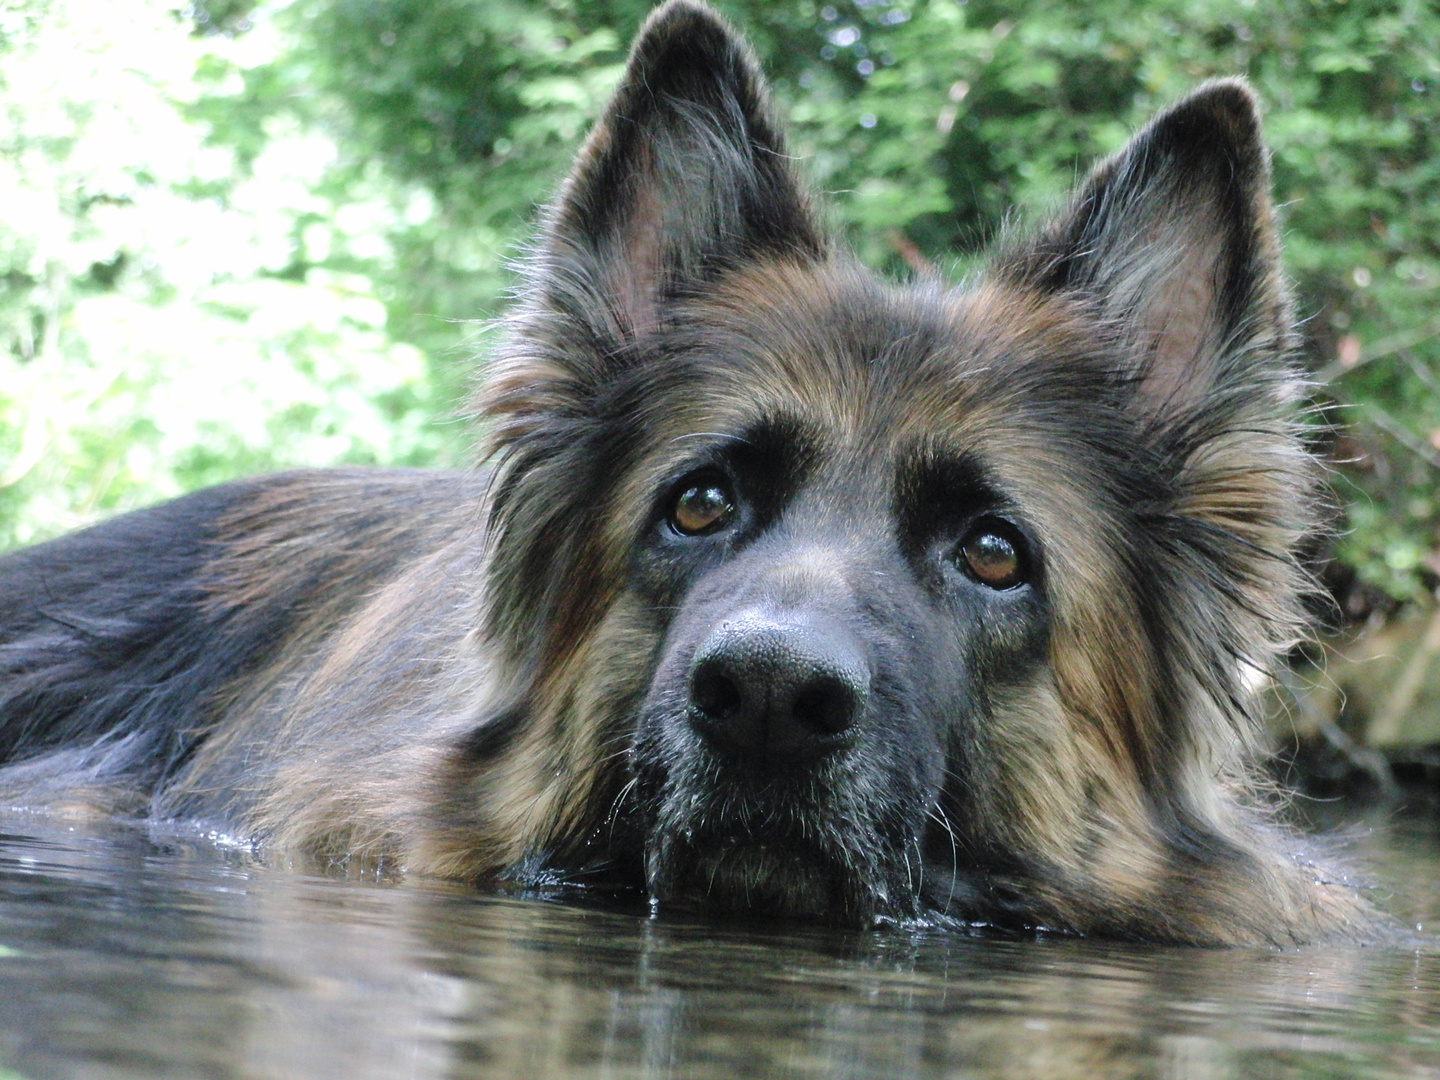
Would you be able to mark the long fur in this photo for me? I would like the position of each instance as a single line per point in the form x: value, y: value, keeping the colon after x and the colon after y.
x: 817, y: 707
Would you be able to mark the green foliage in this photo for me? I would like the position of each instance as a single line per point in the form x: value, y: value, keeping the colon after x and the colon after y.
x: 320, y: 193
x: 154, y: 335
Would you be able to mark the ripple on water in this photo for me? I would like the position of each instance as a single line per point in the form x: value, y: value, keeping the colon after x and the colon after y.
x: 130, y: 954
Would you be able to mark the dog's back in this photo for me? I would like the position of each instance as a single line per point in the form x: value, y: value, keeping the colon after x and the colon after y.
x: 120, y: 645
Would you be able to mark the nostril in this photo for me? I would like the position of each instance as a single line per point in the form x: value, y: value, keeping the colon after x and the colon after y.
x: 714, y: 692
x: 827, y: 706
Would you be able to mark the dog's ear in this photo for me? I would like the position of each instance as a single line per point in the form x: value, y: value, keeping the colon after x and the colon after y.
x: 1173, y: 241
x: 684, y: 176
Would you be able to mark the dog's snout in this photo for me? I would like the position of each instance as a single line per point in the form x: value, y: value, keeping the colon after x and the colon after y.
x: 777, y: 691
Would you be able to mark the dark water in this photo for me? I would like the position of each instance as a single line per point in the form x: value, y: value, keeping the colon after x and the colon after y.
x: 127, y: 955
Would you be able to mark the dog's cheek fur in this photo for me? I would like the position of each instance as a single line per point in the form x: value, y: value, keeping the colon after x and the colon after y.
x: 1123, y: 775
x: 1118, y: 779
x: 550, y: 789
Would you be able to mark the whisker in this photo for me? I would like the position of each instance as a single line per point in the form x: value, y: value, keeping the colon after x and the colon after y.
x: 938, y: 815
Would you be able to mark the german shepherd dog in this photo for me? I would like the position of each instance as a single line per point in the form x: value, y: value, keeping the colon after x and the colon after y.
x: 783, y: 591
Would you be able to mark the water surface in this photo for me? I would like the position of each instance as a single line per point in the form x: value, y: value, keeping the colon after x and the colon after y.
x: 126, y: 954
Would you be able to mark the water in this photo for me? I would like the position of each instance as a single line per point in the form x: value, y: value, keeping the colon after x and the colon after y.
x: 127, y: 955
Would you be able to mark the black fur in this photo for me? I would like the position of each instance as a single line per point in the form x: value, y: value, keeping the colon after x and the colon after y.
x: 106, y: 637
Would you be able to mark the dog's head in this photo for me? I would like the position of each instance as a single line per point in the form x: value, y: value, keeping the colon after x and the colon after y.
x: 850, y: 599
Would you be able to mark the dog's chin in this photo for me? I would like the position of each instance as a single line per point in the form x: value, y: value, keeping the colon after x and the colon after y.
x: 756, y: 880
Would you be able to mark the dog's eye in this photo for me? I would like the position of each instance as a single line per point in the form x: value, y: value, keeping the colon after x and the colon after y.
x: 705, y: 505
x: 993, y: 553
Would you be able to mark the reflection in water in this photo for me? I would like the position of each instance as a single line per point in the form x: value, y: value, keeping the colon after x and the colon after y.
x: 126, y: 956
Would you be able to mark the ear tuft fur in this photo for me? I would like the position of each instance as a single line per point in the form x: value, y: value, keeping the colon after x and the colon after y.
x: 684, y: 176
x: 1170, y: 252
x: 1173, y: 241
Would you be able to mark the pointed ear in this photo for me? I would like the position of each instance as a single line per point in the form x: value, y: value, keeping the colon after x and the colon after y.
x: 684, y: 176
x: 1173, y: 240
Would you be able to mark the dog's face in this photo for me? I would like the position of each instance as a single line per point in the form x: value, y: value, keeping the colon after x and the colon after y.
x: 894, y: 599
x: 844, y: 597
x: 846, y: 555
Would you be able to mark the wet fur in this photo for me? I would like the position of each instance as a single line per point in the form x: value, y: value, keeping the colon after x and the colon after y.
x: 488, y: 675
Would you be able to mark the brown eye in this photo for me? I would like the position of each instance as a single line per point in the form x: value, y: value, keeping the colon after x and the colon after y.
x: 704, y: 506
x: 991, y: 554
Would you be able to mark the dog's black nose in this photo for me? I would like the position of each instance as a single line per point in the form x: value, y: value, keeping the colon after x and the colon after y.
x: 777, y: 691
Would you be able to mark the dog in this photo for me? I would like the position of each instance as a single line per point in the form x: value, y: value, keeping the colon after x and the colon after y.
x: 782, y: 592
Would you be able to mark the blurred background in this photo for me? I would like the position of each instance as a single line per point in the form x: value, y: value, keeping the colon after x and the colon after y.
x: 238, y: 236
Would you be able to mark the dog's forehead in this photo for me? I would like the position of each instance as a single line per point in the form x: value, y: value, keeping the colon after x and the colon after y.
x: 878, y: 367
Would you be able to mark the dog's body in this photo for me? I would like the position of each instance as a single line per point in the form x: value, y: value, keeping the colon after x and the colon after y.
x: 788, y: 592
